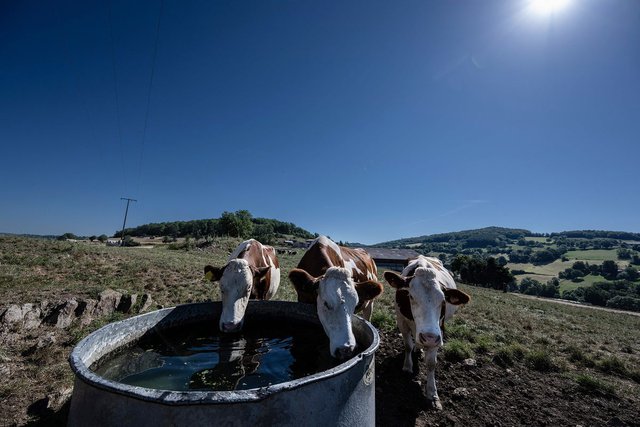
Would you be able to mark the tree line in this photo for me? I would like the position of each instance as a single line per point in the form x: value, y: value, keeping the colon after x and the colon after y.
x: 234, y: 224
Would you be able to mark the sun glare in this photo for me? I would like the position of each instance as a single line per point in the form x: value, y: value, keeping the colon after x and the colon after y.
x: 548, y: 7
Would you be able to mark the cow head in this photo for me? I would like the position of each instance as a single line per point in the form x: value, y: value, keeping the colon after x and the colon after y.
x: 237, y: 278
x: 336, y: 297
x: 428, y: 303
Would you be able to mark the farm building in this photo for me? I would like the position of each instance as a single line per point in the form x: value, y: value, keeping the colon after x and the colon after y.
x: 391, y: 259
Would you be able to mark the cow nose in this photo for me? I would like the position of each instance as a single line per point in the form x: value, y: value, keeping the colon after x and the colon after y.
x: 344, y: 352
x: 428, y: 339
x: 230, y: 326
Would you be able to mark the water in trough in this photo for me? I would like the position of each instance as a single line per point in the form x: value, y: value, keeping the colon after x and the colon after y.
x: 199, y: 357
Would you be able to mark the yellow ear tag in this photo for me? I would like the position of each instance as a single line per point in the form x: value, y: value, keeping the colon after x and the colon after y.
x: 209, y: 276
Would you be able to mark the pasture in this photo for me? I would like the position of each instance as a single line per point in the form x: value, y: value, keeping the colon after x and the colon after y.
x: 595, y: 256
x: 505, y: 360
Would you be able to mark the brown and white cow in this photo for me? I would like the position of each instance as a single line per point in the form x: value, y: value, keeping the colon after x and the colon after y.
x: 426, y: 296
x: 340, y: 281
x: 252, y: 272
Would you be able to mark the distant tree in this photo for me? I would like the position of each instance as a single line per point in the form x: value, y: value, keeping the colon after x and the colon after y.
x: 92, y: 238
x: 624, y: 253
x: 103, y: 238
x: 595, y: 295
x: 502, y: 261
x: 631, y: 273
x: 581, y: 266
x: 264, y: 234
x: 624, y: 303
x: 128, y: 241
x: 67, y: 236
x: 609, y: 269
x: 635, y: 259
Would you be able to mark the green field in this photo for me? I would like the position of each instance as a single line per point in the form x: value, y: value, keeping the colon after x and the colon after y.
x: 546, y: 272
x: 568, y: 285
x: 536, y: 239
x: 597, y: 255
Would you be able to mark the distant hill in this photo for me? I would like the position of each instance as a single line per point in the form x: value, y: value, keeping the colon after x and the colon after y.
x: 482, y: 237
x: 500, y: 236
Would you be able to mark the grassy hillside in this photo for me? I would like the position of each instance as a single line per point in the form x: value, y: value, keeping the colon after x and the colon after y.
x: 562, y: 356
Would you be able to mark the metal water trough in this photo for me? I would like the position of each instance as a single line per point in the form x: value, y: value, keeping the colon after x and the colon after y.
x: 342, y: 396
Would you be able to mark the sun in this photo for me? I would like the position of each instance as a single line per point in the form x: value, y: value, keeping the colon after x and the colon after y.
x: 548, y: 7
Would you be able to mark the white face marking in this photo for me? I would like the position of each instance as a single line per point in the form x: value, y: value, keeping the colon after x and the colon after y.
x: 426, y: 299
x: 337, y: 300
x: 235, y: 287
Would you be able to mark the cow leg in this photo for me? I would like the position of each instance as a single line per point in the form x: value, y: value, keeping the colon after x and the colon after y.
x: 367, y: 309
x: 405, y: 329
x: 433, y: 401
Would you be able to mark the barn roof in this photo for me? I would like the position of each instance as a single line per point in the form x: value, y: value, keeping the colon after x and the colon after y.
x: 392, y: 254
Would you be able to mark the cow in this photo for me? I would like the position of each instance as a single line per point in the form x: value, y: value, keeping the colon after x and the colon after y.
x: 340, y: 281
x: 252, y: 272
x: 426, y: 296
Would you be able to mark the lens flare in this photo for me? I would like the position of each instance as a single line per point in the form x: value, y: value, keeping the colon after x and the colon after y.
x: 548, y: 7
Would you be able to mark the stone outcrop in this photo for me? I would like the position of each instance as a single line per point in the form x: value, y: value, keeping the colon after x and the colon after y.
x: 13, y: 315
x: 145, y: 302
x: 63, y: 313
x: 108, y: 302
x: 126, y: 303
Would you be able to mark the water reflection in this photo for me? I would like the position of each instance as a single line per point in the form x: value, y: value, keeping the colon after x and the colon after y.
x: 198, y: 357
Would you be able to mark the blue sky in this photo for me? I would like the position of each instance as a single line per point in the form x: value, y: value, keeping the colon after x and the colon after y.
x: 364, y: 120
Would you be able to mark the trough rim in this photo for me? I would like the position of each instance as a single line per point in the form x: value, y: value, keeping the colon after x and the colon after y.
x: 196, y: 397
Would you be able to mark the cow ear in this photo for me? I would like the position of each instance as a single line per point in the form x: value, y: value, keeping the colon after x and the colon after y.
x: 396, y: 280
x: 213, y: 274
x: 260, y: 272
x: 303, y: 282
x: 368, y: 290
x: 456, y: 297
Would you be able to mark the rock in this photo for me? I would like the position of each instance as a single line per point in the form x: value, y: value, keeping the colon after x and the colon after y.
x: 45, y: 341
x: 85, y: 309
x: 460, y: 393
x: 469, y: 362
x: 59, y: 398
x: 12, y: 315
x: 127, y: 302
x: 146, y: 302
x: 108, y: 301
x: 63, y: 314
x: 32, y: 316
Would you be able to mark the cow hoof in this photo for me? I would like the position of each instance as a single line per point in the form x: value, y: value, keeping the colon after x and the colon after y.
x: 434, y: 404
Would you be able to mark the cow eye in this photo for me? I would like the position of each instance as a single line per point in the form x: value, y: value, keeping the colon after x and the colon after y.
x: 326, y: 304
x: 411, y: 297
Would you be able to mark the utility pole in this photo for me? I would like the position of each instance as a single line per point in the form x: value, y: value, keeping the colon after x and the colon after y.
x: 125, y: 218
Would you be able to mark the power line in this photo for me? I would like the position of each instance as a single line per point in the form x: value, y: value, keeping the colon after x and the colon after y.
x: 115, y: 83
x: 125, y: 218
x: 146, y: 115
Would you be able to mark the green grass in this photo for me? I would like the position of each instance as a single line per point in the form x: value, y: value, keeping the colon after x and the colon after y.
x: 591, y: 255
x: 567, y: 285
x: 536, y: 239
x: 546, y: 271
x: 592, y: 385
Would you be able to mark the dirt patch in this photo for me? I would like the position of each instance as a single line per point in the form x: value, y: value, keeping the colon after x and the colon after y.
x: 487, y: 394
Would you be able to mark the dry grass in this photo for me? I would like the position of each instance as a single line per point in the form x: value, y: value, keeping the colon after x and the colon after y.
x: 602, y: 348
